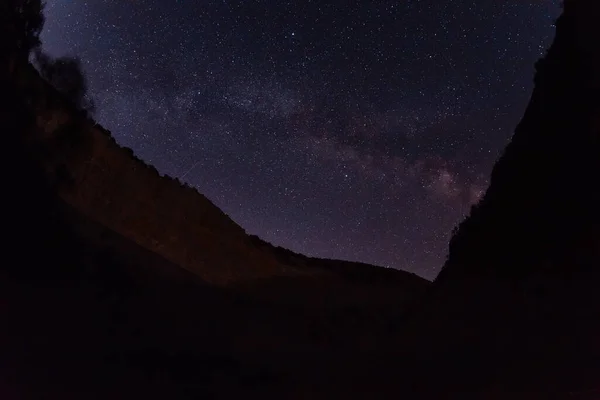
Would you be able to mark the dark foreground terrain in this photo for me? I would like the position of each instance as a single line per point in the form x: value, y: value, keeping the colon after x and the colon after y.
x: 91, y: 310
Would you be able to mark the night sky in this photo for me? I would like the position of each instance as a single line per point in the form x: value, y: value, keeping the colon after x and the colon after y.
x: 340, y: 129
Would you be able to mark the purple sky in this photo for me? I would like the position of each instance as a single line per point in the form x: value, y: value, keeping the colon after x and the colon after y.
x: 352, y: 130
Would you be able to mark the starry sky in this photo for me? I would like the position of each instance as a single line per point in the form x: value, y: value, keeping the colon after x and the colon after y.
x: 357, y: 130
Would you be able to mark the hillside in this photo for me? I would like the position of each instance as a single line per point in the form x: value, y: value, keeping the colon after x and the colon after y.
x: 120, y: 283
x: 91, y: 313
x: 108, y: 184
x: 517, y: 299
x: 117, y: 281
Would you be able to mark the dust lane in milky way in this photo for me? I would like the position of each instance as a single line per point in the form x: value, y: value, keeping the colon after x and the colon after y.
x: 353, y: 130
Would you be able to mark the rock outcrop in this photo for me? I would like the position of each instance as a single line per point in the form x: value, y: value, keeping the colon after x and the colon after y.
x: 541, y: 212
x: 518, y: 294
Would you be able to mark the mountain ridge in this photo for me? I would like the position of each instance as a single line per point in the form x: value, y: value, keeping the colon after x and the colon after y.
x: 517, y: 298
x: 110, y: 184
x: 514, y: 313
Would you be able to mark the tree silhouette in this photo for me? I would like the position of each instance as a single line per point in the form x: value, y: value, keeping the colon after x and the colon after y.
x: 34, y: 220
x: 66, y: 75
x: 21, y: 22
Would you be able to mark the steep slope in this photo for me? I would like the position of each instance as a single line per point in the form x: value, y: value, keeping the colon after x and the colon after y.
x: 518, y: 298
x: 108, y: 184
x: 540, y: 210
x: 514, y: 313
x: 118, y: 283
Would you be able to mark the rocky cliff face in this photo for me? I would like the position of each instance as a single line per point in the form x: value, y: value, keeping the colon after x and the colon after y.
x: 522, y: 276
x: 540, y: 212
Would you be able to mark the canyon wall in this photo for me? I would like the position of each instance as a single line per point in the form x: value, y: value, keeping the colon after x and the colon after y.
x: 107, y: 183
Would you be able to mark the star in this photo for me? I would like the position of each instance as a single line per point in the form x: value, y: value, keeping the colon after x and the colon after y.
x: 389, y: 114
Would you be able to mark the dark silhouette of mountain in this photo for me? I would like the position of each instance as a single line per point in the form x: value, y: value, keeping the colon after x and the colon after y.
x: 93, y: 310
x: 108, y: 184
x: 516, y: 305
x: 118, y: 283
